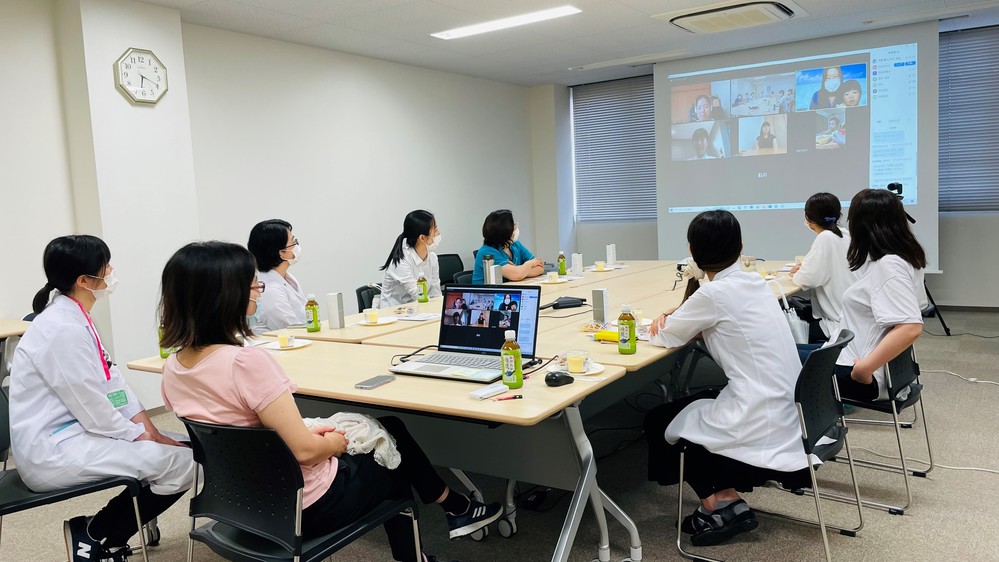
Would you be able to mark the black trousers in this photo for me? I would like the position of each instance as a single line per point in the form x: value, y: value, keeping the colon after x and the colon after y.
x: 115, y: 523
x: 849, y: 388
x: 706, y: 472
x: 361, y: 484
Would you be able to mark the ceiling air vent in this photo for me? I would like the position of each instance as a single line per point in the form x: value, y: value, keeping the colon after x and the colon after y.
x: 731, y: 16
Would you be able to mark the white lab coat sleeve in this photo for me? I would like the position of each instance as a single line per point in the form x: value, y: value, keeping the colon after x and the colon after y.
x: 69, y: 366
x: 279, y: 314
x: 816, y: 268
x: 402, y: 274
x: 134, y: 406
x: 686, y: 322
x: 435, y: 276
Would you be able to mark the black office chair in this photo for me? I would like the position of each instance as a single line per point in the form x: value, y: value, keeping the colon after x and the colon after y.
x: 902, y: 375
x: 366, y: 296
x: 16, y: 496
x: 475, y: 253
x: 253, y: 490
x: 448, y: 265
x: 463, y: 278
x: 820, y: 413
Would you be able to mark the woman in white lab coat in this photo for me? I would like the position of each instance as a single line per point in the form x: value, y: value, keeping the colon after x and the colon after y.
x: 413, y: 256
x: 276, y: 249
x: 748, y: 433
x: 883, y: 307
x: 825, y: 271
x: 74, y: 419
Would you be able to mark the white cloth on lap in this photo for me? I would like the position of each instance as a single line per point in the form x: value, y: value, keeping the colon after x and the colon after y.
x: 364, y: 434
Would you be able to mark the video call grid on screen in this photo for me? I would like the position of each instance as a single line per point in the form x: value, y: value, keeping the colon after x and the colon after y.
x: 847, y: 119
x: 476, y: 319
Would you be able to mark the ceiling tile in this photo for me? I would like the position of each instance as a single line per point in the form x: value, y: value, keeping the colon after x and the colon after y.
x: 231, y: 15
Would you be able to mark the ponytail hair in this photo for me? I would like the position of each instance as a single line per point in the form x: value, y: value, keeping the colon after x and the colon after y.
x: 715, y: 239
x: 67, y: 258
x: 824, y: 210
x: 416, y: 224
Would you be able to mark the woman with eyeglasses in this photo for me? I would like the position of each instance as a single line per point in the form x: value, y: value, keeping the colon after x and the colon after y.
x: 276, y: 249
x: 214, y: 379
x: 74, y: 419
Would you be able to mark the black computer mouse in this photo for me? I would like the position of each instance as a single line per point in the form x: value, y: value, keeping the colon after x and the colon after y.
x: 558, y: 379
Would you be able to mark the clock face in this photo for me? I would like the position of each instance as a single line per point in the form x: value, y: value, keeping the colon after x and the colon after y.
x: 141, y: 76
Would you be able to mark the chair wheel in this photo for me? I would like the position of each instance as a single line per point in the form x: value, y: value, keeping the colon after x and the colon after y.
x: 152, y: 532
x: 479, y: 535
x: 506, y: 528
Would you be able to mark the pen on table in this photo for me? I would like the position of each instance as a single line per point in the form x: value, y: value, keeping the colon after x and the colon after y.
x: 514, y: 397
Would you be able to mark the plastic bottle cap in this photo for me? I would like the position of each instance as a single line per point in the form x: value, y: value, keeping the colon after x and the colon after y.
x: 625, y: 308
x: 511, y: 334
x: 312, y: 296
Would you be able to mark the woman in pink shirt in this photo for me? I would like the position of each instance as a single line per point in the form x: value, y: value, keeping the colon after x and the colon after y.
x: 209, y: 288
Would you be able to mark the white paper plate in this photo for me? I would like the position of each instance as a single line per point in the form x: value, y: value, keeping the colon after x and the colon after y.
x: 299, y: 344
x: 645, y: 322
x: 382, y: 321
x: 559, y: 282
x: 606, y: 268
x: 594, y: 369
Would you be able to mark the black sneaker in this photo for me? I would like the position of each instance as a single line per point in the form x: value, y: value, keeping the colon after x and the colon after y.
x: 476, y: 517
x: 81, y: 547
x: 707, y: 529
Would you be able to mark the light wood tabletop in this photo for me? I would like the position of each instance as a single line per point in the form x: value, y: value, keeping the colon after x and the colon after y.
x: 10, y: 328
x: 356, y: 331
x: 330, y: 370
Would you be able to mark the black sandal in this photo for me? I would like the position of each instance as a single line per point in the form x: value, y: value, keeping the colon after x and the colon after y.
x: 707, y: 529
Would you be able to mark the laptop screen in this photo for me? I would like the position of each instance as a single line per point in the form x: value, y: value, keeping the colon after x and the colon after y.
x: 475, y: 317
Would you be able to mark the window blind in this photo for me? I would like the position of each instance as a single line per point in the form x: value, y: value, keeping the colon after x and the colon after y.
x: 969, y: 120
x: 614, y: 150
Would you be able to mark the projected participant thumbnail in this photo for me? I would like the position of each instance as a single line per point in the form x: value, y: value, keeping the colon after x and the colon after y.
x: 701, y: 141
x: 763, y: 95
x: 832, y: 86
x: 699, y: 103
x: 759, y: 136
x: 506, y: 302
x: 831, y: 129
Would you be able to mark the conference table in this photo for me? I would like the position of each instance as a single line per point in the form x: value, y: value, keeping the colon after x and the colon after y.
x: 538, y: 439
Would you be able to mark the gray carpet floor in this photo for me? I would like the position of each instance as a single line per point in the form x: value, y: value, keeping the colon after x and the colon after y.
x: 954, y: 515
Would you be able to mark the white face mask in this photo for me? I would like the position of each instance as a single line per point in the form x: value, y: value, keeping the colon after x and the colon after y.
x: 435, y: 244
x: 296, y: 254
x: 832, y: 85
x: 111, y: 281
x: 516, y: 234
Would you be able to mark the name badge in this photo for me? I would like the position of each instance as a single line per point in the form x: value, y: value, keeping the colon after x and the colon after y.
x: 118, y: 398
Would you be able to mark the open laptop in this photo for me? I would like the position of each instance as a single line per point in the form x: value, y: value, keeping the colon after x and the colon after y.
x: 473, y: 323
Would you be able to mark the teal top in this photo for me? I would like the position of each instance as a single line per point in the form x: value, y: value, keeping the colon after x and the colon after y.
x: 520, y: 255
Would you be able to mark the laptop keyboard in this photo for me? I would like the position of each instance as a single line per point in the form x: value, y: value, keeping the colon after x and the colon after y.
x: 463, y: 360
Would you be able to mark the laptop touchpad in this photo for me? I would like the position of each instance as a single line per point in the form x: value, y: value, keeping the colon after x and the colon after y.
x: 431, y: 368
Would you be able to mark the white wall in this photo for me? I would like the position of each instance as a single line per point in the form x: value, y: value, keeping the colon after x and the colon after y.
x: 969, y: 259
x: 344, y: 146
x: 35, y: 198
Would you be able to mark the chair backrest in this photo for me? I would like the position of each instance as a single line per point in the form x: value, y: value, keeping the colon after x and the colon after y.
x: 449, y: 264
x: 463, y: 277
x: 366, y: 296
x: 815, y: 391
x: 902, y: 370
x: 251, y: 481
x: 4, y: 424
x: 475, y: 253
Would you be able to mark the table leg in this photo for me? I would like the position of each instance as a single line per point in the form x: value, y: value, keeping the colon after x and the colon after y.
x: 586, y: 488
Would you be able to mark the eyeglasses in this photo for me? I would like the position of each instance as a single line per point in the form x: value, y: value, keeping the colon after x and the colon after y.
x: 294, y: 242
x: 259, y: 286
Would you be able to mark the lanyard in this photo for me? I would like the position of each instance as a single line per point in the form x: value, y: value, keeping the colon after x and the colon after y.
x: 97, y: 340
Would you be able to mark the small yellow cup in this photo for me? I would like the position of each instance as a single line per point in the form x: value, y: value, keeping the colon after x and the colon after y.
x: 799, y: 259
x: 600, y: 265
x: 553, y: 277
x: 575, y: 361
x: 286, y: 340
x: 371, y: 315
